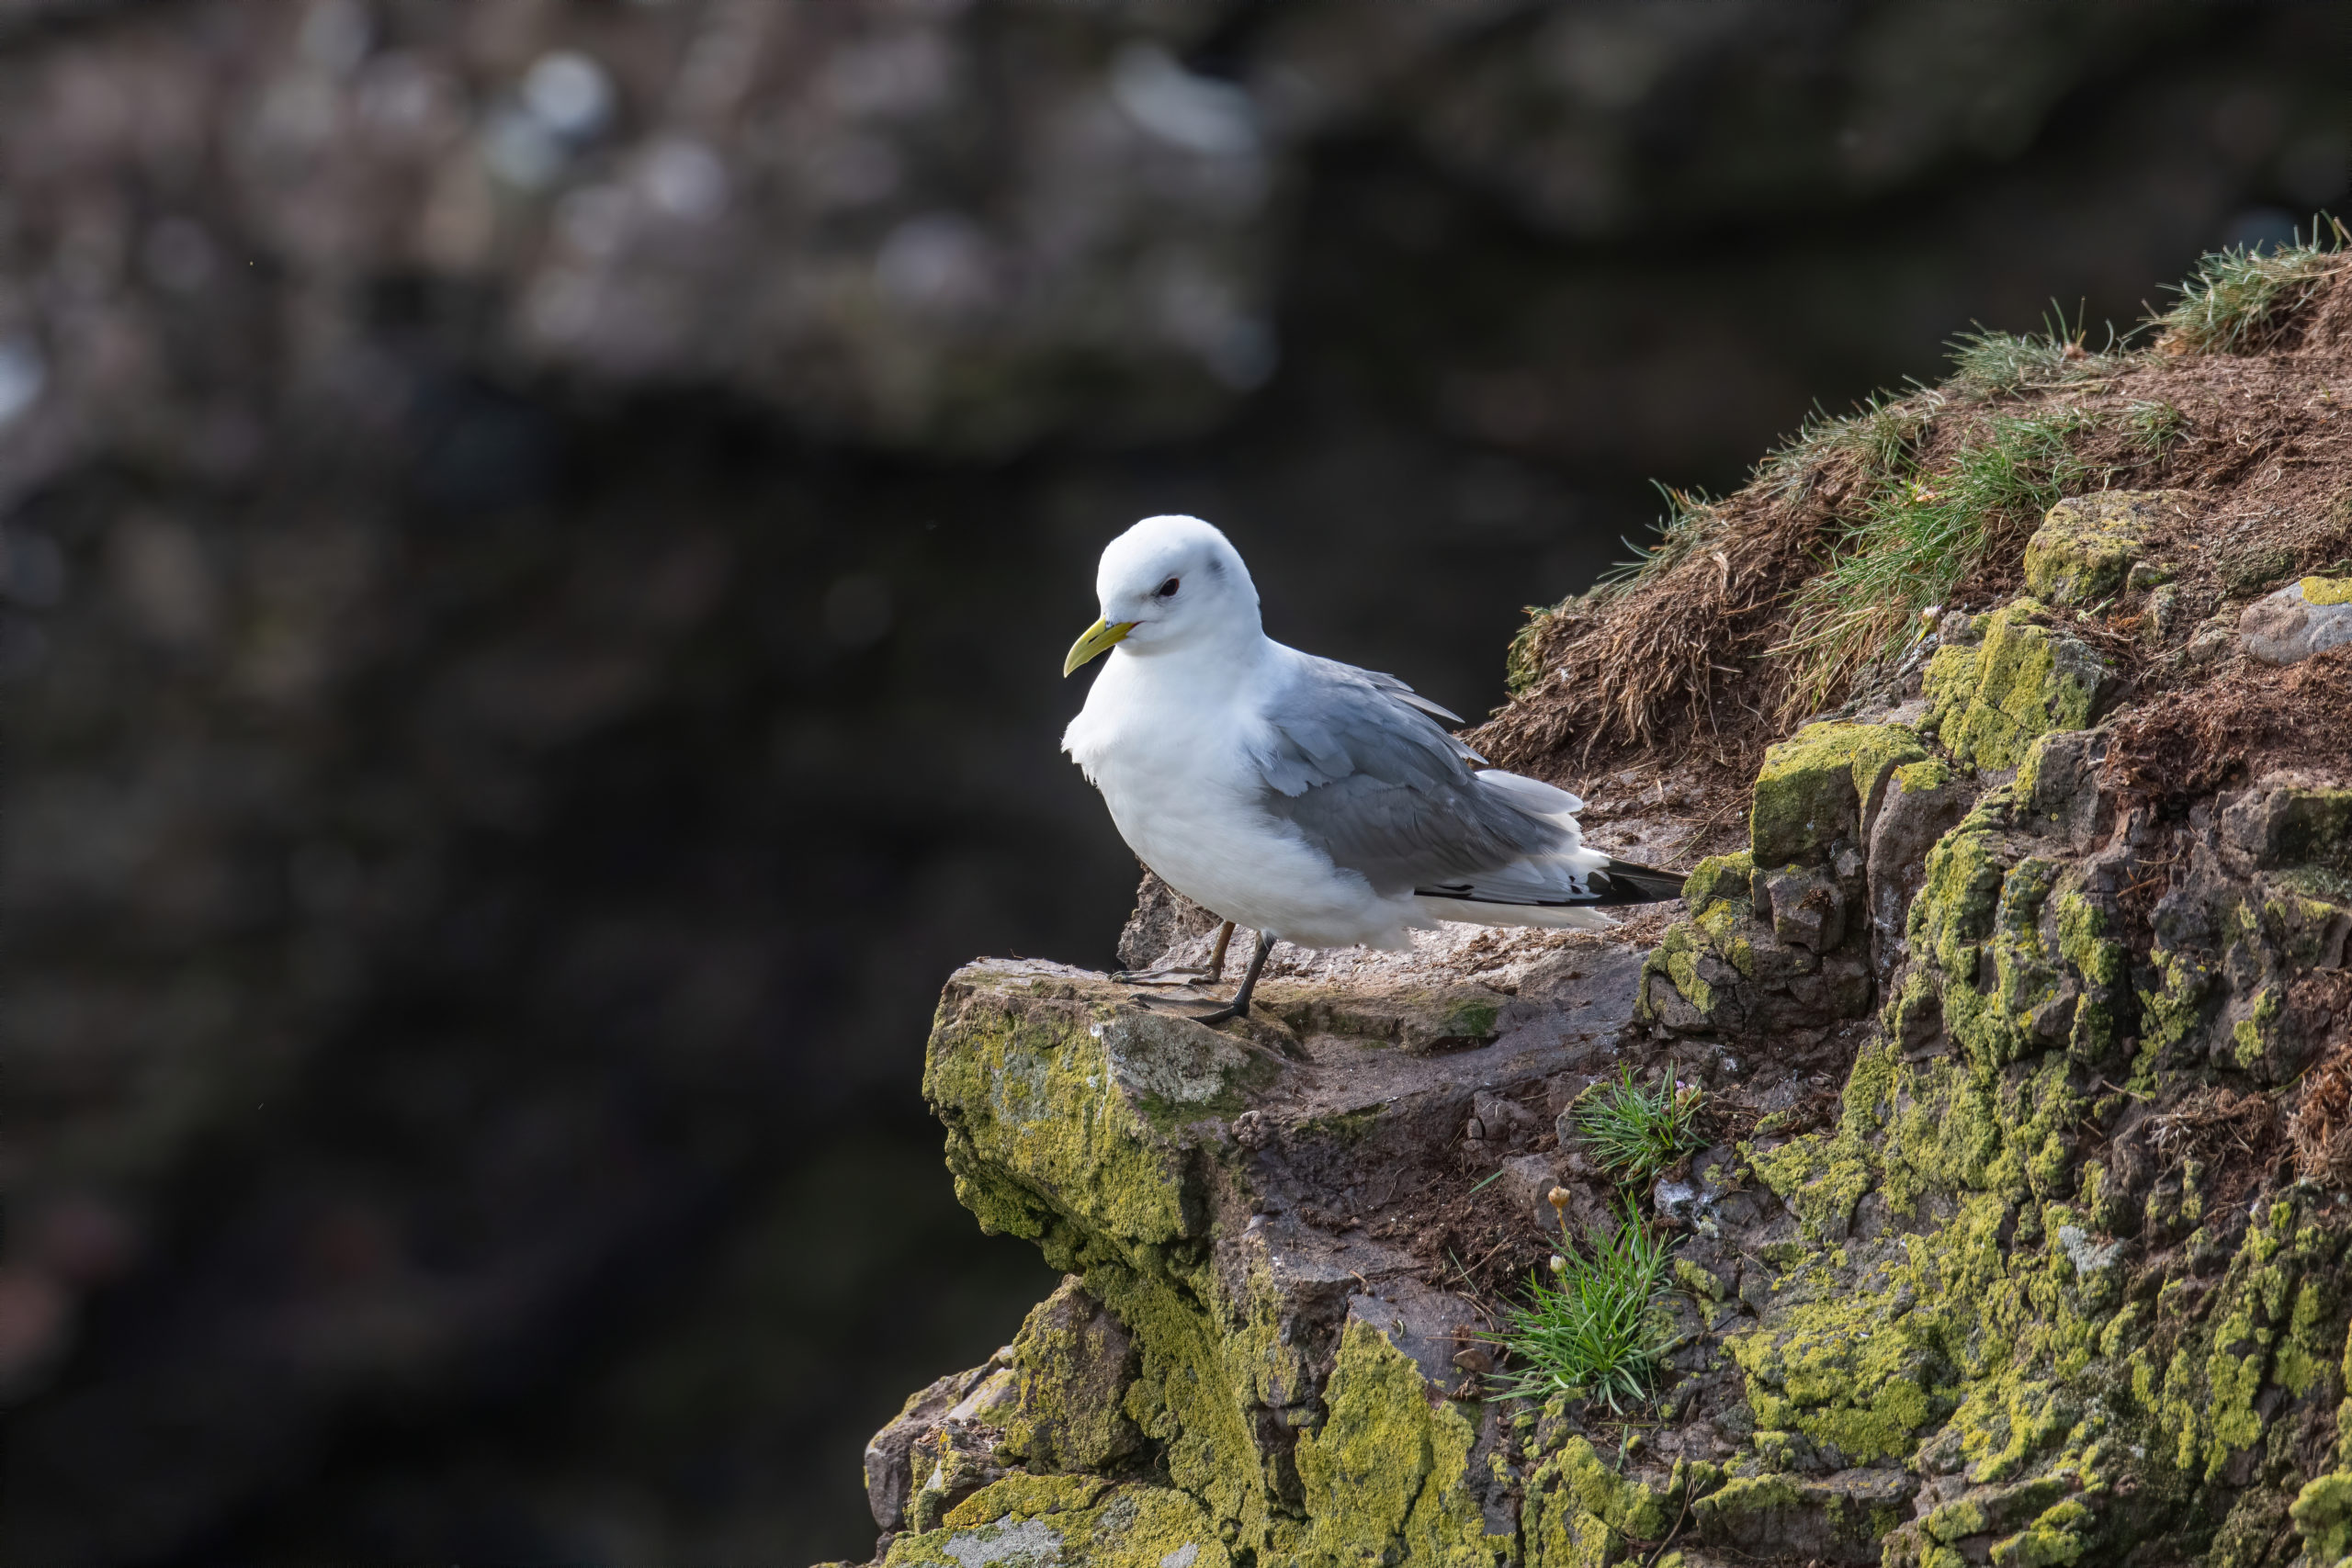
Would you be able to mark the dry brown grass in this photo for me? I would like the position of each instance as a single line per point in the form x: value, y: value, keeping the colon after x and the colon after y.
x: 2321, y: 1128
x: 1703, y: 657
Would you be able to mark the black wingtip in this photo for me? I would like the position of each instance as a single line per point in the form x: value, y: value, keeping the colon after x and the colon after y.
x: 1623, y: 881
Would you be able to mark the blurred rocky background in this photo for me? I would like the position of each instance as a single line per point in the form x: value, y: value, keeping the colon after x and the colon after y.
x: 536, y: 539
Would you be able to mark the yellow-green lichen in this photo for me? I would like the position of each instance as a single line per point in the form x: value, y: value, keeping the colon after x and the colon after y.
x: 1718, y: 876
x: 2323, y: 1517
x: 1067, y: 1518
x: 1386, y: 1472
x: 2058, y: 1536
x: 1045, y: 1111
x: 2087, y: 546
x: 1990, y: 701
x: 1816, y: 786
x: 2326, y: 590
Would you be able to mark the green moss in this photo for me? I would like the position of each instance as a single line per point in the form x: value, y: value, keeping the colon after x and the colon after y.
x: 1073, y: 1366
x: 1055, y: 1109
x: 2023, y: 681
x: 1045, y: 1519
x: 1816, y: 1177
x: 2255, y: 1035
x: 2257, y: 1328
x: 2058, y: 1536
x: 1387, y: 1471
x: 1923, y: 778
x: 2177, y: 1009
x: 2322, y: 1513
x: 2087, y: 546
x: 1718, y: 877
x: 1850, y: 1355
x: 1816, y: 786
x: 1676, y: 959
x: 1699, y: 1282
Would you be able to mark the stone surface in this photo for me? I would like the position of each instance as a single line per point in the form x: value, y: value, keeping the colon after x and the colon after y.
x: 1291, y: 1372
x: 2089, y: 545
x: 2007, y: 1305
x: 2019, y: 679
x: 2299, y: 620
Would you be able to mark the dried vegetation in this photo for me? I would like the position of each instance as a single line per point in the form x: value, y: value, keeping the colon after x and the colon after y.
x: 1806, y: 589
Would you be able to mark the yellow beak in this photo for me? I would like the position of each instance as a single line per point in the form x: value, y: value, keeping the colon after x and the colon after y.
x: 1099, y: 638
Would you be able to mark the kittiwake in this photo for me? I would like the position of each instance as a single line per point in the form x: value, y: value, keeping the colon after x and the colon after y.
x: 1308, y: 800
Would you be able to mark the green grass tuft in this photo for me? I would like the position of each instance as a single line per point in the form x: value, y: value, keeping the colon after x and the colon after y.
x: 1915, y: 543
x: 1690, y: 522
x: 1990, y: 365
x: 1882, y: 436
x: 2151, y: 426
x: 1591, y: 1330
x: 2241, y: 300
x: 1636, y: 1130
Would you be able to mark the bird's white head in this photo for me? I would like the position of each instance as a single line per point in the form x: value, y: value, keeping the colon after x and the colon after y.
x: 1170, y: 583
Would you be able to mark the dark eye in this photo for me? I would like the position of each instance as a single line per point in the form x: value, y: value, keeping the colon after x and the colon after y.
x: 1167, y: 589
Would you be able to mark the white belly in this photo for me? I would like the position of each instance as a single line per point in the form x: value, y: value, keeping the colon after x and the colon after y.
x: 1188, y: 805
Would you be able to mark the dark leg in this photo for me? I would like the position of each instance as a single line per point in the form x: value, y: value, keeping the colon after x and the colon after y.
x: 1240, y: 1003
x: 1210, y: 972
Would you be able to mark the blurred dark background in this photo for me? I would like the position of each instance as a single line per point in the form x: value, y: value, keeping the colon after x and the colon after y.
x: 538, y: 537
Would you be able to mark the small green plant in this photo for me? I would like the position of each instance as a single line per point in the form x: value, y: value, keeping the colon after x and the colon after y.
x: 1637, y: 1130
x: 2241, y: 298
x: 2151, y: 426
x: 1590, y: 1329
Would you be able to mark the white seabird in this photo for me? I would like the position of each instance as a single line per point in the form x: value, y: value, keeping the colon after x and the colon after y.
x: 1308, y: 800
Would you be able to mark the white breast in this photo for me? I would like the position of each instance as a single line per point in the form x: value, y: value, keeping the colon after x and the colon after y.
x: 1174, y: 768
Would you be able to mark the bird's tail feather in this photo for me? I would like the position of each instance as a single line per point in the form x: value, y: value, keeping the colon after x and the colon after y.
x: 1623, y: 881
x: 1610, y: 880
x: 1481, y: 912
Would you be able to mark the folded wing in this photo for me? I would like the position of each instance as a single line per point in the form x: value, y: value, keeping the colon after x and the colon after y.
x: 1357, y: 762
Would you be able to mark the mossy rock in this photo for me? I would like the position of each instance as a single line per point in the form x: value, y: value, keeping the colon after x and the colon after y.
x: 1045, y: 1521
x: 1061, y: 1106
x: 1715, y: 878
x: 1074, y: 1363
x: 1387, y: 1469
x: 1817, y: 789
x: 1989, y: 702
x: 2322, y: 1513
x: 2088, y: 545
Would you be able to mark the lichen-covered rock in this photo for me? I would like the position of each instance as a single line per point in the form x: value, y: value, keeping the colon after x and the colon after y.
x: 890, y: 1475
x: 1818, y: 790
x: 1832, y: 1519
x: 2039, y: 1289
x: 2088, y: 545
x: 2299, y: 620
x: 1074, y: 1363
x: 1776, y: 938
x: 2020, y: 679
x: 1294, y: 1385
x: 2323, y: 1517
x: 1025, y: 1521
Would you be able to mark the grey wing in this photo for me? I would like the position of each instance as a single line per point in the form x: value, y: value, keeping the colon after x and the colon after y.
x: 1356, y: 762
